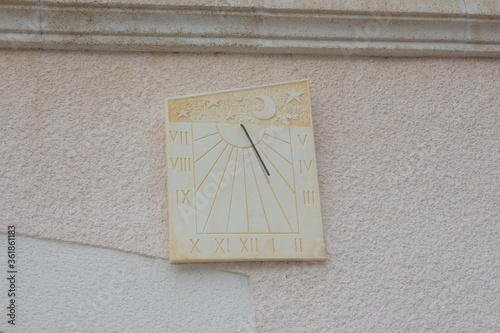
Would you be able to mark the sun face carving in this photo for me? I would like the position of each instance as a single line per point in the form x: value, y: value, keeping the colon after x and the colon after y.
x: 233, y: 135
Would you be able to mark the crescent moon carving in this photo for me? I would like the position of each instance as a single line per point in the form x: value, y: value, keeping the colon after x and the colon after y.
x: 269, y: 109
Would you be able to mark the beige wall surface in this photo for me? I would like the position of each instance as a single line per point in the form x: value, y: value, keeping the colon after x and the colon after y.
x: 408, y: 154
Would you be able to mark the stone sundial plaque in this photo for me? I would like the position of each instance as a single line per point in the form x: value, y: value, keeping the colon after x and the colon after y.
x: 242, y: 179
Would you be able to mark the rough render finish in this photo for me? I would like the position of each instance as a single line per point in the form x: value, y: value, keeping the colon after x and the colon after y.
x: 408, y: 155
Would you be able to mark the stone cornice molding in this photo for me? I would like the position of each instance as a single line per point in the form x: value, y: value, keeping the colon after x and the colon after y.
x: 382, y: 28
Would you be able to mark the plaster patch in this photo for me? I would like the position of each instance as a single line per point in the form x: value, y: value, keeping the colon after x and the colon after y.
x: 63, y: 287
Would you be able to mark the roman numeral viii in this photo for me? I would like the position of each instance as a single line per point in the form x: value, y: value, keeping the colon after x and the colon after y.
x: 183, y: 163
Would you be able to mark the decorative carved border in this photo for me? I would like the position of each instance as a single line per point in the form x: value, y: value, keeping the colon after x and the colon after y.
x: 250, y: 27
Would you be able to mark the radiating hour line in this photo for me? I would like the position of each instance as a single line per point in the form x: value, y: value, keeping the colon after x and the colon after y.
x: 279, y: 204
x: 277, y: 153
x: 199, y: 158
x: 206, y: 136
x: 212, y: 168
x: 260, y: 196
x: 232, y: 190
x: 218, y: 188
x: 263, y: 152
x: 277, y: 138
x: 262, y: 168
x: 246, y: 195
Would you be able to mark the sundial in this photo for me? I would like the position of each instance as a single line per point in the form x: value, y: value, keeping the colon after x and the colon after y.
x: 242, y: 178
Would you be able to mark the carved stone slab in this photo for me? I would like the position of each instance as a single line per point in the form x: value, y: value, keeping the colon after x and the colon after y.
x: 242, y: 179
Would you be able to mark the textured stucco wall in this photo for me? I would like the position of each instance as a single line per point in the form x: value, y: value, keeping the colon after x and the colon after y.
x: 408, y: 158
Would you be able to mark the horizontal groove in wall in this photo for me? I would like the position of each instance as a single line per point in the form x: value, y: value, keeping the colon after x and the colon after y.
x: 65, y: 26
